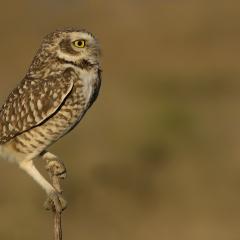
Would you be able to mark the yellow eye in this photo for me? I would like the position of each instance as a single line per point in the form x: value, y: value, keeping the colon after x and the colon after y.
x: 79, y: 43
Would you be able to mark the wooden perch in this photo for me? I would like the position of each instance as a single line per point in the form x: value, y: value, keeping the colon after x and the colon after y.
x: 57, y: 216
x: 55, y: 178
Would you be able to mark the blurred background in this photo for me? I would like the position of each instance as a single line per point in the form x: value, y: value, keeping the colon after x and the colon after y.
x: 157, y: 156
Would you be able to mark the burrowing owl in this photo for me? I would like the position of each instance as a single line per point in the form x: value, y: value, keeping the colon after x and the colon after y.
x: 61, y: 84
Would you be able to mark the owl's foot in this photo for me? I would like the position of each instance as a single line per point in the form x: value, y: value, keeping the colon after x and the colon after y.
x: 57, y: 167
x: 56, y: 171
x: 55, y: 202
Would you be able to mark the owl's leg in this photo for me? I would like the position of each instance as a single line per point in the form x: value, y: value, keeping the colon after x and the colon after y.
x: 57, y: 171
x: 53, y: 194
x: 53, y: 162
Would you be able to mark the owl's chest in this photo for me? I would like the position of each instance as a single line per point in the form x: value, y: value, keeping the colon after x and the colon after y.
x: 79, y: 100
x: 86, y: 83
x: 83, y: 89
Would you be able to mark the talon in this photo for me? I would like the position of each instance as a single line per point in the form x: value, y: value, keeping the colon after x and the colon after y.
x: 55, y: 202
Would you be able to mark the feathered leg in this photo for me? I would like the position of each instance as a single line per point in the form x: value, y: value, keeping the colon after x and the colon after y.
x: 54, y: 196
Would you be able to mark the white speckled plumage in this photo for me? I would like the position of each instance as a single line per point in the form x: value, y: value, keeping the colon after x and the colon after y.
x: 62, y: 83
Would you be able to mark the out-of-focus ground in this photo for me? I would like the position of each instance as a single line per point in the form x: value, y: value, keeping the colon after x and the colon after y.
x: 158, y: 156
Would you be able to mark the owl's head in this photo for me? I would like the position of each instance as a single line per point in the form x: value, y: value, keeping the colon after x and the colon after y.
x: 72, y: 45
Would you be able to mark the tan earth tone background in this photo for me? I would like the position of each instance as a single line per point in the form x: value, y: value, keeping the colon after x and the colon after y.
x: 158, y: 156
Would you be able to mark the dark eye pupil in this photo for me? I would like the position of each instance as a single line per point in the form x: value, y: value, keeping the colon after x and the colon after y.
x: 79, y: 43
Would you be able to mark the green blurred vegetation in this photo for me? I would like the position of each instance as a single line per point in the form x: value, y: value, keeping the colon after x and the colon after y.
x: 157, y: 157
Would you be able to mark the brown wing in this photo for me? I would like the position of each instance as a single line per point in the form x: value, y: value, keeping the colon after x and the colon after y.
x: 33, y: 102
